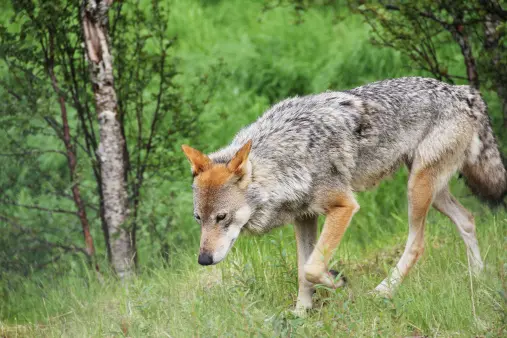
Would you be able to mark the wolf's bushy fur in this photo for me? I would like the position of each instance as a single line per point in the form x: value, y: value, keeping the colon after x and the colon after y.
x: 336, y: 141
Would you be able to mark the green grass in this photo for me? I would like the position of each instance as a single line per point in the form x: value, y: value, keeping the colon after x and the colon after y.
x: 252, y: 292
x: 255, y: 59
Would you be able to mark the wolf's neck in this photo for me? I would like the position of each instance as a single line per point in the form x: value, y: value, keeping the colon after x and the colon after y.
x: 260, y: 181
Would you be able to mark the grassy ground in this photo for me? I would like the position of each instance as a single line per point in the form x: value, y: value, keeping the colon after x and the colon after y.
x: 264, y: 57
x: 253, y: 291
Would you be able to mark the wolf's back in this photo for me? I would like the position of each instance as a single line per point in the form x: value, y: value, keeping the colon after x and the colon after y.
x: 484, y: 170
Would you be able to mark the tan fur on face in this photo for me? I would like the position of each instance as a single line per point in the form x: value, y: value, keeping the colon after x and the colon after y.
x: 216, y: 176
x: 209, y: 174
x: 209, y: 239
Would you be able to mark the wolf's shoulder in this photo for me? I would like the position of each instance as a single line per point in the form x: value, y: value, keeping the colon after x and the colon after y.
x: 312, y: 102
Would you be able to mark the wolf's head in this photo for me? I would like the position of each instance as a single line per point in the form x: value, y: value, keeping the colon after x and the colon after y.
x: 220, y: 204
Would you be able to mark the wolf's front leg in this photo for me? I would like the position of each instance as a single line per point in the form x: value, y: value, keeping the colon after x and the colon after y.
x: 339, y: 212
x: 306, y: 236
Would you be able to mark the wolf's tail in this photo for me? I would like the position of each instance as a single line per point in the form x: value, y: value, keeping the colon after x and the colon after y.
x: 484, y: 169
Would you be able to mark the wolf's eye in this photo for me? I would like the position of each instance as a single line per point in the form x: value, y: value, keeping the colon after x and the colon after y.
x: 221, y: 217
x: 197, y: 217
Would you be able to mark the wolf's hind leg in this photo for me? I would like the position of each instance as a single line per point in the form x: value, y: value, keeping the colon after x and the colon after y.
x: 464, y: 221
x: 339, y: 213
x: 421, y: 190
x: 306, y: 236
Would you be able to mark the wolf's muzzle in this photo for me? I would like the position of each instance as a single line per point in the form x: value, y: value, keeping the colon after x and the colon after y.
x: 205, y: 259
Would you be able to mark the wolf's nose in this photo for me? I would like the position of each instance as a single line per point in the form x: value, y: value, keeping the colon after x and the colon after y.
x: 205, y: 259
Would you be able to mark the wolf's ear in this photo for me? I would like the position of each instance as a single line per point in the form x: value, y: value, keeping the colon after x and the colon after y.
x: 239, y: 161
x: 198, y: 160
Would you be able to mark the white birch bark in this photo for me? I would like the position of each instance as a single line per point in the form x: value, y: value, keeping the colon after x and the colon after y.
x: 111, y: 148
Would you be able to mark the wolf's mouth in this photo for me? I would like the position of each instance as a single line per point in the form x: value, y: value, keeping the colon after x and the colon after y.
x: 230, y: 246
x: 227, y: 251
x: 232, y: 243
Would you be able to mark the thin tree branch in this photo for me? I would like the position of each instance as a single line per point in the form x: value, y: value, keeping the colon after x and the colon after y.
x: 66, y: 248
x: 34, y: 152
x: 38, y: 207
x: 10, y: 91
x: 71, y: 155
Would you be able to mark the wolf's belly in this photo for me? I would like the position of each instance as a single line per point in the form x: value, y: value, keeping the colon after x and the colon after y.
x: 368, y: 177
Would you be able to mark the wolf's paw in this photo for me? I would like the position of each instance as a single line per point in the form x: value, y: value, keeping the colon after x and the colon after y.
x: 319, y: 275
x: 304, y: 302
x: 477, y: 268
x: 339, y: 280
x: 300, y: 311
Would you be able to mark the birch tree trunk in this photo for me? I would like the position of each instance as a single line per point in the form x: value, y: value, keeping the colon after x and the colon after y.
x: 94, y: 17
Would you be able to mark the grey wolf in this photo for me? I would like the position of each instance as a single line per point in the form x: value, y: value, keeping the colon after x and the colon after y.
x: 309, y: 155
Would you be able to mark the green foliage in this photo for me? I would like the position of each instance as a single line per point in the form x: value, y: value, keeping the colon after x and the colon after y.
x: 455, y: 41
x: 226, y: 62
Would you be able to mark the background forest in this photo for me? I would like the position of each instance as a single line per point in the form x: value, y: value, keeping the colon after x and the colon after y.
x: 195, y: 72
